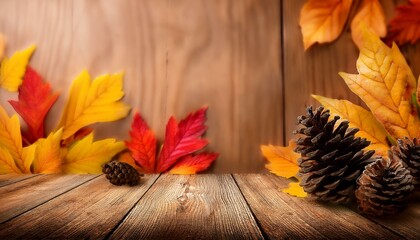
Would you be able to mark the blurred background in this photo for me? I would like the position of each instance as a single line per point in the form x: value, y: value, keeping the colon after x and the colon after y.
x: 242, y: 58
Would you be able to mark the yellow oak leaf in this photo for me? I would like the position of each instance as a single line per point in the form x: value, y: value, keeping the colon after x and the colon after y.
x: 371, y: 14
x: 282, y: 160
x: 48, y: 154
x: 12, y: 70
x: 11, y: 138
x: 7, y: 163
x: 28, y: 157
x: 296, y: 190
x: 385, y: 83
x: 92, y: 102
x: 86, y: 156
x: 2, y: 46
x: 323, y: 21
x: 360, y: 118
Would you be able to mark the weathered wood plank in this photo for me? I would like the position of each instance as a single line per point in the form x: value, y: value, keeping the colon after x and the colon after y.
x: 89, y: 211
x: 22, y: 196
x: 285, y: 217
x: 12, y: 178
x: 190, y: 207
x: 177, y: 56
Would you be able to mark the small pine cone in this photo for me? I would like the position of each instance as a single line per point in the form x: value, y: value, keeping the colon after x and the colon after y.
x: 384, y: 187
x: 332, y: 158
x: 119, y: 173
x: 409, y: 152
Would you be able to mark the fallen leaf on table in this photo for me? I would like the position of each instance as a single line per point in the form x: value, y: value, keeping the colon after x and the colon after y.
x: 360, y: 118
x: 372, y: 15
x: 92, y: 102
x: 12, y: 70
x: 177, y: 156
x: 385, y: 83
x: 405, y: 26
x: 323, y: 21
x: 296, y: 190
x: 282, y: 160
x: 35, y: 100
x: 87, y: 157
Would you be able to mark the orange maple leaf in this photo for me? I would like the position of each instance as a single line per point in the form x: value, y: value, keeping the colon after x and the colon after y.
x: 323, y: 21
x: 405, y: 26
x: 282, y: 161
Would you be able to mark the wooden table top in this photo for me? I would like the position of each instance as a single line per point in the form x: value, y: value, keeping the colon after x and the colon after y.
x: 204, y: 206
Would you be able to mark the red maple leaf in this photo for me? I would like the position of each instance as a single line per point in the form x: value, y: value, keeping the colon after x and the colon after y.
x: 405, y: 26
x: 34, y: 101
x: 181, y: 141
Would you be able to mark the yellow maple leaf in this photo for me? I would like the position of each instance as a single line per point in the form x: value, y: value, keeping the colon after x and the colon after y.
x: 371, y: 14
x: 48, y: 154
x: 323, y: 21
x: 282, y: 160
x: 7, y: 163
x: 86, y: 156
x: 360, y: 118
x: 296, y: 190
x: 11, y: 138
x: 385, y: 83
x: 91, y: 102
x: 12, y: 70
x: 2, y: 46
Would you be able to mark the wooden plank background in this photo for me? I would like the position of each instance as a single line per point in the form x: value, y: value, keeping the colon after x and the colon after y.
x: 244, y: 59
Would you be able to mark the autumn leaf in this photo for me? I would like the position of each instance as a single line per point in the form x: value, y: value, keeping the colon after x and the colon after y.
x: 2, y: 46
x: 323, y: 21
x: 87, y: 157
x: 48, y: 154
x: 405, y: 26
x: 191, y: 164
x: 372, y: 15
x: 92, y: 102
x: 282, y: 160
x: 142, y: 144
x: 7, y: 163
x: 35, y: 100
x: 79, y: 135
x: 385, y: 83
x: 182, y: 139
x: 360, y: 118
x: 10, y: 137
x: 126, y: 157
x: 13, y: 69
x: 296, y: 190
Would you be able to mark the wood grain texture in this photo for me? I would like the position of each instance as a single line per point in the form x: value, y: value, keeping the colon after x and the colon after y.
x: 90, y: 211
x: 177, y: 56
x: 7, y: 179
x: 25, y: 195
x: 285, y: 217
x: 190, y: 207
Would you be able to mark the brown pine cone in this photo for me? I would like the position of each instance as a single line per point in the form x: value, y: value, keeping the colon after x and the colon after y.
x: 409, y: 152
x: 120, y: 173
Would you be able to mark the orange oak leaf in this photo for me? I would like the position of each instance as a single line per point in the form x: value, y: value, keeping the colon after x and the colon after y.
x: 182, y: 139
x: 360, y: 118
x: 372, y: 15
x: 323, y: 21
x: 405, y: 26
x: 142, y: 144
x: 191, y: 164
x: 177, y: 153
x: 282, y: 160
x: 35, y: 100
x: 386, y: 84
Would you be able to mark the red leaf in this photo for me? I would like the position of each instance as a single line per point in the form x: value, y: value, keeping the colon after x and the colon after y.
x: 35, y: 100
x: 182, y: 139
x: 405, y: 27
x: 191, y: 164
x: 142, y: 144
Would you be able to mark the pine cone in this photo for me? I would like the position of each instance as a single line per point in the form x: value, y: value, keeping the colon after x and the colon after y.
x: 409, y: 152
x: 384, y: 187
x: 119, y: 173
x: 331, y: 158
